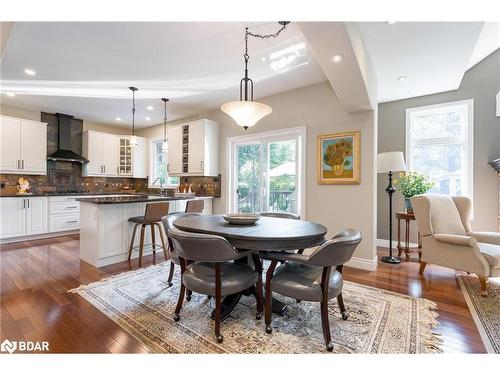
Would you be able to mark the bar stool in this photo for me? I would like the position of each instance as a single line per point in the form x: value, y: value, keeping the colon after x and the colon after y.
x: 152, y: 217
x: 195, y: 205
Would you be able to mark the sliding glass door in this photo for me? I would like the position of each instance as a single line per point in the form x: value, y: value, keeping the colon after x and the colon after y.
x: 265, y: 174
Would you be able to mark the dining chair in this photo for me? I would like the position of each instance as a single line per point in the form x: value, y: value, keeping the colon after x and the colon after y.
x: 283, y: 215
x: 214, y: 271
x: 168, y: 223
x: 195, y: 205
x: 311, y: 277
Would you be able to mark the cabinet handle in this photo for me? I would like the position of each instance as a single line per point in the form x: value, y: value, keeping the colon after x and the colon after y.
x: 202, y: 165
x: 72, y: 207
x: 24, y: 203
x: 18, y: 166
x: 22, y: 167
x: 168, y: 167
x: 104, y: 168
x: 72, y: 221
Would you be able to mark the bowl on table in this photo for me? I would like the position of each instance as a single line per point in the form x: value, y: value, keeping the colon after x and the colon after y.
x: 241, y: 219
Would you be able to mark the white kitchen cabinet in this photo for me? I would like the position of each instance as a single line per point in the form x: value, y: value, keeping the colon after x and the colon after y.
x: 23, y: 146
x: 132, y: 161
x: 193, y: 149
x: 23, y: 216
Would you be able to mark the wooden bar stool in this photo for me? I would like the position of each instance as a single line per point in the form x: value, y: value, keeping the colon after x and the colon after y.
x: 152, y: 217
x: 195, y: 205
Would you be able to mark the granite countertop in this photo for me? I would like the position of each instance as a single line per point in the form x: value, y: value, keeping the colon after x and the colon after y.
x: 13, y: 195
x: 129, y: 199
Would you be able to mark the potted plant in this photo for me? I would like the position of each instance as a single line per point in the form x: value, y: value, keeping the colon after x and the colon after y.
x: 411, y: 184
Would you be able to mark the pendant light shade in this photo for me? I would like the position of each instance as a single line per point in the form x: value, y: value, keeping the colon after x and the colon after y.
x: 133, y: 138
x: 246, y: 113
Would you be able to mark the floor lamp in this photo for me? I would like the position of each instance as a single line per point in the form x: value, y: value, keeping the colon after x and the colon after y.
x: 388, y: 162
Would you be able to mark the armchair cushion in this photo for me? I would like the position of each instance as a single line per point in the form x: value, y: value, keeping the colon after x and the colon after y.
x: 491, y: 253
x: 486, y: 237
x: 303, y: 282
x: 453, y: 239
x: 445, y: 217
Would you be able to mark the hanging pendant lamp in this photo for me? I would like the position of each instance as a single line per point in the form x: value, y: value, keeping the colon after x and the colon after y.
x: 133, y: 138
x: 246, y: 112
x: 164, y: 144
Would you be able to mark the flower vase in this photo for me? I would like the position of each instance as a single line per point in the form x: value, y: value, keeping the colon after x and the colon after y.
x: 408, y: 207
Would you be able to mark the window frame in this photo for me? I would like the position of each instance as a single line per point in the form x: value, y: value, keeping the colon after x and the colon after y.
x: 469, y: 139
x: 151, y: 163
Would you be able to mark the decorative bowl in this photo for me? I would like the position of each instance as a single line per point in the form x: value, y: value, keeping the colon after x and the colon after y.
x: 241, y: 219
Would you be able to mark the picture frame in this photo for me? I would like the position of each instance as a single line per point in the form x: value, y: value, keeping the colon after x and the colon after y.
x: 339, y: 158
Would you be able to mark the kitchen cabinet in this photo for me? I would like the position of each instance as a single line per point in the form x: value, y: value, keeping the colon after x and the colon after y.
x: 23, y: 146
x: 111, y: 155
x: 23, y: 216
x: 193, y: 148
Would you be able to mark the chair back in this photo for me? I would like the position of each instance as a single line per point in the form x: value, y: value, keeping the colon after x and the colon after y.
x: 195, y: 205
x: 441, y: 214
x: 281, y: 215
x: 155, y: 211
x: 338, y: 250
x: 202, y: 247
x: 168, y: 223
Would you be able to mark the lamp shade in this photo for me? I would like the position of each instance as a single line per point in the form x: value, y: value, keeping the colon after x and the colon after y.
x: 246, y: 113
x: 390, y: 162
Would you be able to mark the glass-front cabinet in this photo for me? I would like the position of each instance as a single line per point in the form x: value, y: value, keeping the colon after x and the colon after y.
x: 125, y: 161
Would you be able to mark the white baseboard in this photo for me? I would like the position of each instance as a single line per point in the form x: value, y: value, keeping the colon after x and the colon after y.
x: 37, y: 236
x: 385, y: 243
x: 364, y: 264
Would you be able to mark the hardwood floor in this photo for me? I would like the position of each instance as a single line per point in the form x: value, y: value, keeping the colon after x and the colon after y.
x: 35, y: 305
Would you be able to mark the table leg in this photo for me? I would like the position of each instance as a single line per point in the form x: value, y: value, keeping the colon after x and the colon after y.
x: 419, y: 241
x: 399, y: 238
x: 407, y: 238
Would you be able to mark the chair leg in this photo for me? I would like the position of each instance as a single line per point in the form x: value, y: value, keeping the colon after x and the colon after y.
x: 189, y: 293
x: 269, y: 295
x: 325, y: 323
x: 132, y: 241
x: 181, y: 293
x: 258, y: 294
x: 422, y: 267
x: 171, y: 273
x: 484, y: 283
x: 163, y: 242
x: 218, y: 302
x: 340, y: 301
x: 153, y: 239
x: 141, y: 246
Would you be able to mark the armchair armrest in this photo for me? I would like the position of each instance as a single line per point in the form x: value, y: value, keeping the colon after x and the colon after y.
x: 486, y: 237
x: 279, y: 255
x: 453, y: 239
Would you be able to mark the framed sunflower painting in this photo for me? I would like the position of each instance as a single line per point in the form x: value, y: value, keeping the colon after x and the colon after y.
x: 339, y: 158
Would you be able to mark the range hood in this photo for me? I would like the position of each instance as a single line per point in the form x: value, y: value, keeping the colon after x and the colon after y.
x: 64, y: 151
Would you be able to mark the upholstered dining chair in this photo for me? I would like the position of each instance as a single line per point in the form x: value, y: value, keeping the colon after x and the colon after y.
x: 283, y: 215
x: 311, y: 277
x: 168, y: 223
x: 214, y: 271
x: 448, y: 240
x: 195, y: 205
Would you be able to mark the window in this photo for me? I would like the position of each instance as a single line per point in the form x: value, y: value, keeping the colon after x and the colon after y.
x: 267, y: 172
x: 158, y: 165
x: 439, y: 141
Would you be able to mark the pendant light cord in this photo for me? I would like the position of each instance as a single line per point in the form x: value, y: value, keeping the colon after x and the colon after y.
x: 260, y: 36
x: 165, y: 121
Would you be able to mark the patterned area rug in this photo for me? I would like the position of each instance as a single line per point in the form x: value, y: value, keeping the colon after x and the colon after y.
x: 379, y: 321
x: 485, y: 310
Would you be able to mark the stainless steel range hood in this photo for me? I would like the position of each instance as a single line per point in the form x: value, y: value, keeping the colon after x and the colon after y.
x: 64, y: 151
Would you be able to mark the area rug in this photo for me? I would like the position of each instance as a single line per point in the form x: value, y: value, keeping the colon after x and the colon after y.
x: 379, y: 321
x: 484, y: 310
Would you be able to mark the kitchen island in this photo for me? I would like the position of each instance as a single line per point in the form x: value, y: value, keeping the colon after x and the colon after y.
x: 105, y: 231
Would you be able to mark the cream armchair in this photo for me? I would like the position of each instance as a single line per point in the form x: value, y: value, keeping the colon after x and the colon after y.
x: 447, y: 238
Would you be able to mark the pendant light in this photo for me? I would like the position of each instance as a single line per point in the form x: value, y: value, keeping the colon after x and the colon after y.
x: 133, y: 138
x: 164, y: 144
x: 246, y: 112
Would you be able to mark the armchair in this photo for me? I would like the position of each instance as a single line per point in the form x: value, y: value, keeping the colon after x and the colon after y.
x: 448, y: 240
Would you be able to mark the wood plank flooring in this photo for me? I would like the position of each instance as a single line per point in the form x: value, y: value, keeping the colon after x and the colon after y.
x: 35, y: 305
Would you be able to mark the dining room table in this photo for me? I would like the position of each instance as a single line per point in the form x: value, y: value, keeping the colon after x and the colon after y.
x: 267, y: 234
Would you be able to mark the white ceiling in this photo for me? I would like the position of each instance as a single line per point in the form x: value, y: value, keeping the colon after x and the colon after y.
x: 432, y: 55
x: 85, y: 69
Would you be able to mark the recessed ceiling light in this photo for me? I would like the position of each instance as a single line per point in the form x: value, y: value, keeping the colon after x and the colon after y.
x: 118, y: 118
x: 336, y: 58
x: 148, y: 118
x: 11, y: 94
x: 402, y: 78
x: 390, y: 22
x: 30, y: 72
x: 263, y: 58
x: 149, y: 108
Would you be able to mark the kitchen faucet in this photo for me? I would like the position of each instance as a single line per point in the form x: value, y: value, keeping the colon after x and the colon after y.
x: 161, y: 184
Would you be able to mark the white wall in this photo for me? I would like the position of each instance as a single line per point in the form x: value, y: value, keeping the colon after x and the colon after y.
x: 335, y: 206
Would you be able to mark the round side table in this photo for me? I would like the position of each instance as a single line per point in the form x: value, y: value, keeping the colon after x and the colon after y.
x: 407, y: 217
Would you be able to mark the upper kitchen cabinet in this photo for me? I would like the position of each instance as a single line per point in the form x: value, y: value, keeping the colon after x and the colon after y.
x: 193, y: 148
x: 111, y: 155
x: 23, y: 146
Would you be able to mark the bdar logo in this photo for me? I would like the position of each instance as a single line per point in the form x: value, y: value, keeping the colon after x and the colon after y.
x: 8, y: 346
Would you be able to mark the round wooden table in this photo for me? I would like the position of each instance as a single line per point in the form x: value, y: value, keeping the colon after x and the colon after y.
x: 266, y: 234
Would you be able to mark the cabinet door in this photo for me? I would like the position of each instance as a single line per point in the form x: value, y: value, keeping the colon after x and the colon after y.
x: 10, y: 144
x: 109, y: 151
x: 12, y: 217
x: 140, y: 158
x: 196, y: 148
x: 36, y: 215
x: 174, y: 138
x: 92, y: 150
x: 33, y: 147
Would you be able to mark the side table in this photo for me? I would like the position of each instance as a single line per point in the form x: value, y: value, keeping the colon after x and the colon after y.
x: 407, y: 217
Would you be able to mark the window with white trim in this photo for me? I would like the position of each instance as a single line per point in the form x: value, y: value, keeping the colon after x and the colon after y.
x: 158, y: 165
x: 439, y: 144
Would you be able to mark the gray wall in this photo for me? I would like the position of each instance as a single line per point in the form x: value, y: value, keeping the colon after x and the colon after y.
x: 481, y: 83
